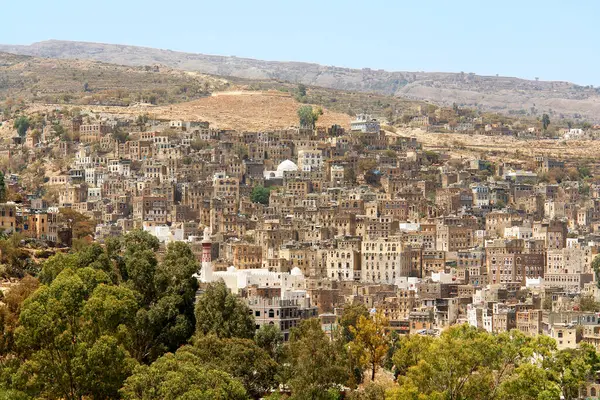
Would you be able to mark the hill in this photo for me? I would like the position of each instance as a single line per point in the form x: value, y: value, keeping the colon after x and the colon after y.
x: 94, y: 83
x: 490, y: 93
x: 91, y: 82
x: 241, y: 110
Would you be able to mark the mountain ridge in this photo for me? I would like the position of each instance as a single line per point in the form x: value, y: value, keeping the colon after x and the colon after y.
x: 509, y: 95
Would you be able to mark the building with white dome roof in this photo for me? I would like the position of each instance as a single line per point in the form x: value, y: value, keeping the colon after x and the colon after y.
x: 284, y: 166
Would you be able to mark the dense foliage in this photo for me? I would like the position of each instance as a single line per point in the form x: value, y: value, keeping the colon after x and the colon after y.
x: 260, y: 194
x: 122, y: 321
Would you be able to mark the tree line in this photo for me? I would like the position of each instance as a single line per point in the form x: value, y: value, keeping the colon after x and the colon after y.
x: 126, y: 321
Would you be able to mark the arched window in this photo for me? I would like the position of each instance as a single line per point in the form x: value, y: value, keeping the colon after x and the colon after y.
x: 271, y: 313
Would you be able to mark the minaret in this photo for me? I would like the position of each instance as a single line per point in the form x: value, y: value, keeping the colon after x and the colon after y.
x: 206, y: 273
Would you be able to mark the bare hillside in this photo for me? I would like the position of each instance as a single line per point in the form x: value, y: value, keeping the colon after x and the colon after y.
x: 80, y: 81
x: 241, y: 110
x: 503, y: 94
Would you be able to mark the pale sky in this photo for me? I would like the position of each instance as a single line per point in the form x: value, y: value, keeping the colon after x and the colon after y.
x: 552, y: 40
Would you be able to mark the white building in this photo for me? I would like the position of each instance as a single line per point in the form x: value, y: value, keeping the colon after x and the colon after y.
x: 365, y: 123
x: 343, y: 264
x: 574, y: 133
x: 292, y: 284
x: 164, y: 233
x: 518, y: 232
x: 286, y: 165
x: 337, y: 174
x: 481, y: 195
x: 310, y: 160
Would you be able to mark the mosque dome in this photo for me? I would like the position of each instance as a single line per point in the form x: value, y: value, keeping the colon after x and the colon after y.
x: 296, y: 272
x: 287, y: 165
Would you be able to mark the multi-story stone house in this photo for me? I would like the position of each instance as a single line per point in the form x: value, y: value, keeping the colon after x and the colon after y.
x: 343, y: 264
x: 91, y: 133
x: 568, y: 268
x: 553, y: 233
x: 8, y: 217
x: 470, y: 264
x: 150, y: 209
x: 286, y: 314
x: 452, y: 238
x: 225, y: 186
x: 497, y: 222
x: 384, y: 260
x: 246, y: 256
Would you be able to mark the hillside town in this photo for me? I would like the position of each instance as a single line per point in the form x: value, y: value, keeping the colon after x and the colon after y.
x: 315, y: 201
x: 302, y: 220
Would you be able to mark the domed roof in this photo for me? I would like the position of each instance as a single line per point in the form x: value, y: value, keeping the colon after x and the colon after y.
x: 296, y: 272
x: 287, y: 165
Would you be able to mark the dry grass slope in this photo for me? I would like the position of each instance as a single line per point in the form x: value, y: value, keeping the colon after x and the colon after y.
x: 240, y: 110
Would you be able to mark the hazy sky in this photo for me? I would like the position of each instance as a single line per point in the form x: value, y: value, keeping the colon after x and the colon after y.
x: 552, y: 39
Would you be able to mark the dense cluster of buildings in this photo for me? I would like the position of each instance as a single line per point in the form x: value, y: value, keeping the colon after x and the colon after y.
x: 356, y: 215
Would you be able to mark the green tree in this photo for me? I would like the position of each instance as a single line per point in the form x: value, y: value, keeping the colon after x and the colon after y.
x: 571, y: 369
x: 11, y: 309
x: 371, y: 340
x: 162, y: 317
x: 171, y: 313
x: 588, y: 304
x: 13, y: 257
x: 241, y: 150
x: 260, y: 194
x: 241, y: 358
x: 166, y: 291
x: 2, y: 188
x: 22, y: 124
x: 348, y: 321
x: 529, y: 382
x: 59, y: 131
x: 199, y: 144
x: 349, y: 318
x: 458, y: 365
x: 466, y: 363
x: 269, y: 338
x: 371, y: 178
x: 411, y: 349
x: 308, y: 116
x: 371, y: 391
x: 13, y: 395
x: 120, y: 135
x: 596, y: 268
x: 64, y: 359
x: 349, y: 174
x: 220, y: 312
x: 81, y: 225
x: 301, y: 90
x: 181, y: 376
x: 316, y: 363
x: 545, y: 121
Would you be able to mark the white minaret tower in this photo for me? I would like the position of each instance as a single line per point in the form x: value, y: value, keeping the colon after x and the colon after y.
x: 206, y: 274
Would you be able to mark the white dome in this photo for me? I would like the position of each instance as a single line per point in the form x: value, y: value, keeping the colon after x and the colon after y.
x: 231, y: 269
x: 296, y: 272
x: 287, y: 165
